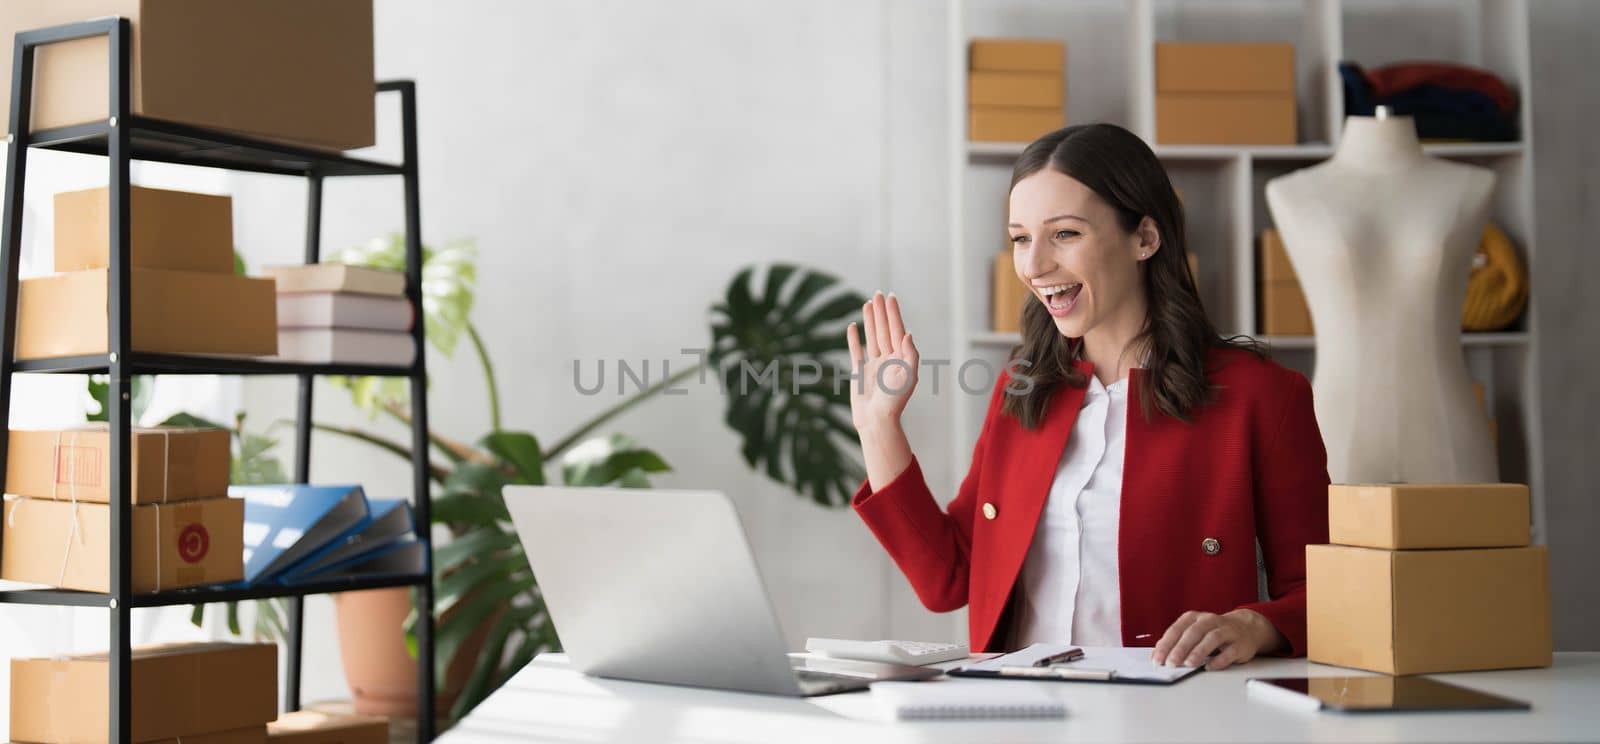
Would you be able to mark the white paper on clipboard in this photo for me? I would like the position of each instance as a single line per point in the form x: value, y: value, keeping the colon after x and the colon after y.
x: 1124, y: 664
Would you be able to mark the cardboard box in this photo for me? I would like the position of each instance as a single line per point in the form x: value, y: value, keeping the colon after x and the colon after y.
x: 1032, y: 89
x: 1012, y: 123
x: 173, y: 311
x: 1284, y: 311
x: 1199, y: 67
x: 173, y: 545
x: 169, y: 464
x: 313, y: 727
x: 1275, y: 263
x: 166, y: 230
x: 1009, y: 293
x: 1407, y: 516
x: 246, y: 735
x: 178, y: 690
x: 1424, y: 611
x: 1225, y: 119
x: 1017, y: 55
x: 297, y: 72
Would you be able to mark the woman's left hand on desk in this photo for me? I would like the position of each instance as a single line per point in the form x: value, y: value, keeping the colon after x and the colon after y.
x: 1235, y: 637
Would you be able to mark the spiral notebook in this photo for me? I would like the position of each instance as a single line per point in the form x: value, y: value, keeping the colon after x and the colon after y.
x: 947, y: 700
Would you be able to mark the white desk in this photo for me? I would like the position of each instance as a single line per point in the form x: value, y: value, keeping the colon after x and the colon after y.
x: 549, y: 702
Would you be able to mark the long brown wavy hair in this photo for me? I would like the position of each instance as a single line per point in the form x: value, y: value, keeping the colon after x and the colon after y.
x: 1121, y: 169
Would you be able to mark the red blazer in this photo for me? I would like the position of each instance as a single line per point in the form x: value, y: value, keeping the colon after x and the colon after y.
x: 1196, y: 498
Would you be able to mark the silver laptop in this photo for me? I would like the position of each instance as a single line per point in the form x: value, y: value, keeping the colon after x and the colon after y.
x: 659, y: 585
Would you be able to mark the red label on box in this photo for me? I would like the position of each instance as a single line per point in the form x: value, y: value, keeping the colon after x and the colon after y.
x: 193, y: 543
x: 78, y: 465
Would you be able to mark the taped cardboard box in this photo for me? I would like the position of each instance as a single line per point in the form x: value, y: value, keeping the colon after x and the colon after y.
x: 246, y: 735
x: 1017, y: 55
x: 61, y: 544
x: 169, y: 464
x: 1408, y: 516
x: 177, y: 690
x: 1225, y: 119
x: 1425, y: 611
x: 185, y: 312
x: 314, y: 727
x: 1012, y: 123
x: 297, y: 72
x: 1032, y: 89
x: 175, y: 230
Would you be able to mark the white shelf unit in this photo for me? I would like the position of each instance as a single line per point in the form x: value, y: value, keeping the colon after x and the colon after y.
x: 1111, y: 78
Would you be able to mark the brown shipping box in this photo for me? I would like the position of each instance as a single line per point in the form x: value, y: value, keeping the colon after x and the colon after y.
x: 298, y: 72
x: 1203, y: 67
x: 1010, y: 294
x: 1225, y: 119
x: 1275, y: 263
x: 1425, y: 611
x: 1225, y: 94
x: 173, y: 545
x: 186, y: 312
x: 1032, y: 89
x: 314, y: 727
x: 1018, y: 55
x: 246, y: 735
x: 167, y: 230
x: 169, y: 464
x: 1403, y: 517
x: 1012, y: 123
x: 1284, y: 311
x: 178, y: 690
x: 1283, y: 302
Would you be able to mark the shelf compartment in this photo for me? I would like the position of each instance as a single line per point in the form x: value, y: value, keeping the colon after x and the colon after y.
x: 1512, y: 338
x: 170, y: 142
x: 1005, y: 152
x: 183, y: 364
x: 203, y: 595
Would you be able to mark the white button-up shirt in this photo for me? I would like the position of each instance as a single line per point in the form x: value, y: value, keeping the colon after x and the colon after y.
x: 1071, y: 589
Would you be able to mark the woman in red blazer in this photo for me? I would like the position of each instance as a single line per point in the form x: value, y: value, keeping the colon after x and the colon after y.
x: 1220, y: 452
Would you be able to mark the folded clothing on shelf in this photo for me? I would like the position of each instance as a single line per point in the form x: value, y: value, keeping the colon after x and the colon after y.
x: 1448, y: 101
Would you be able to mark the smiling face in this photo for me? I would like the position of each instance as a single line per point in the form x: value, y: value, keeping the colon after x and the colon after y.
x: 1071, y: 249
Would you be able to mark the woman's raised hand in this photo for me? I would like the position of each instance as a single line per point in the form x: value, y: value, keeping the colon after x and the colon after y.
x: 888, y: 369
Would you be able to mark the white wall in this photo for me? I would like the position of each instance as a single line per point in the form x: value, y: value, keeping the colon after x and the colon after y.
x: 618, y: 162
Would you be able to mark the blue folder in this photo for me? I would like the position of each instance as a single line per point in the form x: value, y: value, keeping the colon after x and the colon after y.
x: 283, y: 524
x: 388, y: 521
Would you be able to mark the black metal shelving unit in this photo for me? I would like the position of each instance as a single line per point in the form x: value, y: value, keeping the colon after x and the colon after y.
x: 122, y: 138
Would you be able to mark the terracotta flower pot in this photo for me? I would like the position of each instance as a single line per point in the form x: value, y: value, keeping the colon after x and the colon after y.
x: 381, y: 673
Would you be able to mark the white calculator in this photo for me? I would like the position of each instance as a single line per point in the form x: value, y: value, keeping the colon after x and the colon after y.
x: 911, y: 653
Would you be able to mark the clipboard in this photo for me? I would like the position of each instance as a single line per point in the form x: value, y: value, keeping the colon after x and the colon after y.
x: 1098, y: 664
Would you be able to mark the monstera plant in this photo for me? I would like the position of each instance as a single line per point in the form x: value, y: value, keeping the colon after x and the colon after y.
x: 776, y: 352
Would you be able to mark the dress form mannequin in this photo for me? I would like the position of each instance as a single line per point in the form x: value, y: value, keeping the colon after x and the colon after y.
x: 1382, y: 238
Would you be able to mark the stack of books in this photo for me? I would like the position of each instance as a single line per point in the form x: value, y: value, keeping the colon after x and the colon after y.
x: 340, y: 314
x: 298, y: 533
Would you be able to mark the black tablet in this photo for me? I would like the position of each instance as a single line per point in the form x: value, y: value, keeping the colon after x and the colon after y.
x: 1375, y: 694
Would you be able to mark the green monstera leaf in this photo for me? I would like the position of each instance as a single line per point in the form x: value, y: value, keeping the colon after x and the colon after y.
x: 785, y: 374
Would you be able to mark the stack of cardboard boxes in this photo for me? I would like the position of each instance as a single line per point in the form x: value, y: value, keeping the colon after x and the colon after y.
x: 1283, y: 306
x: 1428, y: 578
x: 1225, y: 94
x: 1016, y: 89
x: 184, y: 294
x: 214, y: 693
x: 57, y: 531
